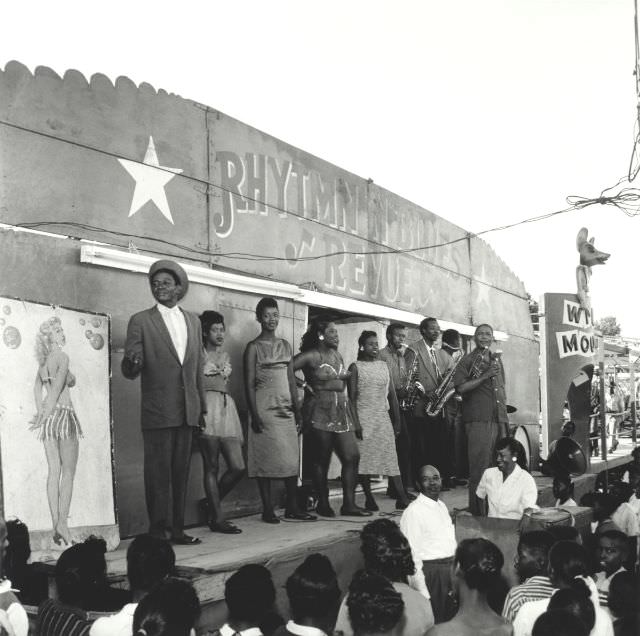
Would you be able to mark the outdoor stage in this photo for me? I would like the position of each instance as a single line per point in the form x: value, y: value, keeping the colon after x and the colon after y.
x: 282, y: 547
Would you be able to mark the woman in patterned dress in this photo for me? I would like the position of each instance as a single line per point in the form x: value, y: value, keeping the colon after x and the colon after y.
x: 328, y: 426
x: 371, y: 390
x: 56, y: 422
x: 221, y: 431
x: 272, y: 398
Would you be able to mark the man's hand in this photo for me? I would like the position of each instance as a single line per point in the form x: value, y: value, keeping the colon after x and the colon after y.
x: 134, y: 359
x: 492, y: 371
x: 359, y: 434
x: 419, y: 386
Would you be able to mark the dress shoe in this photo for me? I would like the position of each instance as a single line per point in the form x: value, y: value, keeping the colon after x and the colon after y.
x: 401, y: 505
x: 270, y: 518
x: 224, y: 527
x: 461, y: 482
x: 299, y: 516
x: 409, y: 496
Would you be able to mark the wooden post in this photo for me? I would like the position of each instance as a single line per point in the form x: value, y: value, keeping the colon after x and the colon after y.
x: 632, y: 398
x: 603, y: 424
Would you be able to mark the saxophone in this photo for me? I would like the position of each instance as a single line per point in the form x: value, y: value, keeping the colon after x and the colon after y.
x: 443, y: 392
x: 411, y: 393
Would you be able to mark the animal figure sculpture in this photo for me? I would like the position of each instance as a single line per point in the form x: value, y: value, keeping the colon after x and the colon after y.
x: 589, y: 256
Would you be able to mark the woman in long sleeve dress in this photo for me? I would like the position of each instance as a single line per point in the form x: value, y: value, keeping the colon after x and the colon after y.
x: 371, y: 390
x: 273, y: 451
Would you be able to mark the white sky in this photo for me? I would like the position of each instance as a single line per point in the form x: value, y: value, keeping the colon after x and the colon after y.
x: 483, y: 111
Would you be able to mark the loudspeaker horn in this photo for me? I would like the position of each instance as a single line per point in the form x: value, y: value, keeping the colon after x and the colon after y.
x: 565, y: 456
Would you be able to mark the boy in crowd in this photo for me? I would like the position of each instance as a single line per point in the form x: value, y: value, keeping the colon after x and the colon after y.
x: 612, y: 552
x: 563, y: 491
x: 150, y: 560
x: 532, y: 560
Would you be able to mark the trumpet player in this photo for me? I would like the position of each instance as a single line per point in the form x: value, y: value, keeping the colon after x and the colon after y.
x: 479, y: 378
x: 428, y: 434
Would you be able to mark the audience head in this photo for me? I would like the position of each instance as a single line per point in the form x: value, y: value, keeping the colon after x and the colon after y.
x: 576, y: 600
x: 430, y: 482
x: 562, y: 487
x: 559, y: 623
x: 567, y: 560
x: 604, y: 505
x: 249, y: 594
x: 621, y: 491
x: 564, y: 533
x: 386, y: 550
x: 170, y: 609
x: 635, y: 455
x: 208, y: 319
x: 367, y: 344
x: 613, y: 550
x: 313, y: 590
x: 18, y: 548
x: 623, y: 594
x: 3, y: 544
x: 79, y: 569
x: 373, y: 604
x: 532, y: 557
x: 478, y: 564
x: 320, y: 330
x: 568, y: 429
x: 510, y: 451
x: 150, y: 560
x: 396, y: 334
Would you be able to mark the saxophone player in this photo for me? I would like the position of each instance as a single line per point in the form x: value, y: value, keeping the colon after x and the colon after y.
x: 479, y: 378
x: 394, y: 355
x: 428, y: 434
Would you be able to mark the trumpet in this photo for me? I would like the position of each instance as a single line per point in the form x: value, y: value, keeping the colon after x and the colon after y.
x: 443, y: 393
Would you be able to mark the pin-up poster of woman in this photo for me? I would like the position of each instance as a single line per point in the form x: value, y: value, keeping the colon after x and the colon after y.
x: 55, y: 423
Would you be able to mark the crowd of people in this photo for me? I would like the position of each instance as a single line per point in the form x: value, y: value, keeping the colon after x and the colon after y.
x: 415, y: 580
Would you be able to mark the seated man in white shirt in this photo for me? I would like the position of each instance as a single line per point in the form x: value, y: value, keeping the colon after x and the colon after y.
x: 313, y: 595
x: 150, y: 560
x: 427, y: 525
x: 508, y: 488
x: 250, y: 596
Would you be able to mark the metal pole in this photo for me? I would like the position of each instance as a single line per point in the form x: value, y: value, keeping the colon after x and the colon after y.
x: 603, y: 425
x: 632, y: 399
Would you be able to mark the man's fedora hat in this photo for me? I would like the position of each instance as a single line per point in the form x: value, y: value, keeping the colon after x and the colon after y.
x: 175, y: 269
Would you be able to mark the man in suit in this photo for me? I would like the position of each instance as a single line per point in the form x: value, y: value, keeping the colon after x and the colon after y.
x: 164, y: 347
x: 429, y: 434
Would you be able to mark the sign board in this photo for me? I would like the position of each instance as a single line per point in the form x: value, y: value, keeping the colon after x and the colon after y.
x: 569, y: 349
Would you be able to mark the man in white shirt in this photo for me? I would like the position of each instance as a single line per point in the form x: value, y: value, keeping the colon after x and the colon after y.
x: 429, y: 529
x: 150, y: 560
x: 164, y: 347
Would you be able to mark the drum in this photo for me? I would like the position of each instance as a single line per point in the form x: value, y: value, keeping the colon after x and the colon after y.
x: 529, y: 436
x: 545, y: 517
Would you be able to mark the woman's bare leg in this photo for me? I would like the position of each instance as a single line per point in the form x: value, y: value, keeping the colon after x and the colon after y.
x: 209, y: 449
x: 53, y: 479
x: 68, y: 462
x: 232, y: 452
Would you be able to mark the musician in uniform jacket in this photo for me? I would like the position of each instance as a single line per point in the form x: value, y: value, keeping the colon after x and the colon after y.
x: 479, y: 378
x: 429, y: 434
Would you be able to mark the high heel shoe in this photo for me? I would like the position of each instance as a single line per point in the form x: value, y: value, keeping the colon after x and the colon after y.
x: 58, y: 539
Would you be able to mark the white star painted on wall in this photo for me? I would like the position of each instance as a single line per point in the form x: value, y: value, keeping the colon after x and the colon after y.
x: 150, y: 178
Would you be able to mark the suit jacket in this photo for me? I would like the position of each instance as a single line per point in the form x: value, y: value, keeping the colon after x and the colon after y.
x: 172, y: 393
x: 426, y: 372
